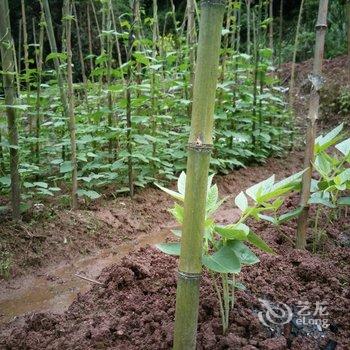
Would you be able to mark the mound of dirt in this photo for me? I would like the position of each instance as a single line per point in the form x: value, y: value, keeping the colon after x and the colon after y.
x: 134, y: 308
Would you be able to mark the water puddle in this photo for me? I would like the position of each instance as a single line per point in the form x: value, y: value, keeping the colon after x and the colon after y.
x: 56, y: 288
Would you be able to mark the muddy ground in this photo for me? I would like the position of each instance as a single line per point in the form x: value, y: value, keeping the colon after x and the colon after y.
x: 133, y: 308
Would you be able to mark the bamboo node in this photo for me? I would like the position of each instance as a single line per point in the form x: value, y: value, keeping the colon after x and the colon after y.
x: 317, y: 81
x: 189, y: 276
x: 200, y: 147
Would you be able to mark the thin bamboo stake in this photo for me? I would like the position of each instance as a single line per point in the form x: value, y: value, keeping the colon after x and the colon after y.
x: 248, y: 3
x: 90, y: 42
x: 199, y: 149
x: 70, y: 96
x: 271, y: 25
x: 295, y: 50
x: 8, y: 69
x: 80, y: 47
x: 317, y: 82
x: 347, y: 10
x: 39, y: 67
x: 280, y: 35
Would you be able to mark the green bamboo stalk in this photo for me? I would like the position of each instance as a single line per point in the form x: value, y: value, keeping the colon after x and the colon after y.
x: 199, y: 149
x: 271, y: 25
x: 70, y: 96
x: 321, y: 28
x: 280, y: 35
x: 39, y: 67
x: 248, y: 3
x: 347, y: 13
x: 53, y: 47
x: 8, y: 69
x: 295, y: 50
x: 90, y: 41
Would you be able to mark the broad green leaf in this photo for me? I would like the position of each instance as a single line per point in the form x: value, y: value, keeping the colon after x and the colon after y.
x: 245, y: 255
x: 181, y: 183
x: 258, y: 189
x: 259, y: 242
x: 319, y: 198
x: 268, y: 218
x: 88, y: 193
x: 178, y: 213
x: 223, y: 261
x: 324, y: 142
x: 344, y: 201
x: 169, y: 248
x: 212, y: 198
x: 342, y: 177
x: 344, y: 147
x: 241, y: 201
x: 174, y: 194
x: 5, y: 181
x: 41, y: 184
x: 66, y: 167
x: 290, y: 215
x: 237, y: 231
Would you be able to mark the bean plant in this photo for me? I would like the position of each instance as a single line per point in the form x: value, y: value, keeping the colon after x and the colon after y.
x: 332, y: 185
x: 132, y: 108
x: 225, y: 247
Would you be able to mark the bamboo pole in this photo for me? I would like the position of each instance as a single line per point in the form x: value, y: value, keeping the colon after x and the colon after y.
x: 199, y: 150
x: 248, y: 3
x: 295, y: 50
x: 70, y: 96
x: 280, y: 35
x: 53, y: 46
x: 271, y: 25
x: 191, y: 41
x: 347, y: 10
x: 8, y: 69
x: 39, y: 67
x: 317, y: 81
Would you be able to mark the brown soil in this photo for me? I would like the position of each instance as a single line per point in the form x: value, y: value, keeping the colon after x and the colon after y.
x: 134, y: 308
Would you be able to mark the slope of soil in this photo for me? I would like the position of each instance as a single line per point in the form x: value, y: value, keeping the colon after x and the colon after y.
x: 134, y: 308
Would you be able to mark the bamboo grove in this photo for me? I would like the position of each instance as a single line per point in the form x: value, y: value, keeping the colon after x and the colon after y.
x: 125, y: 121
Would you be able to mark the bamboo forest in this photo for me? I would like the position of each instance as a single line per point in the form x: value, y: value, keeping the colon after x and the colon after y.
x: 175, y: 174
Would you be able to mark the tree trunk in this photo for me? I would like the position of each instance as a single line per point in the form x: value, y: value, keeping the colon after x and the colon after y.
x: 248, y: 2
x: 321, y: 28
x: 8, y: 69
x: 199, y: 149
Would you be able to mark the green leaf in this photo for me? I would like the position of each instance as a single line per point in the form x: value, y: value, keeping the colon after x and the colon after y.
x: 343, y: 177
x: 344, y: 201
x: 245, y: 255
x: 224, y: 261
x: 174, y: 194
x: 344, y: 147
x: 319, y: 198
x: 256, y: 190
x: 88, y: 193
x: 169, y: 248
x: 181, y: 183
x: 66, y: 167
x: 290, y: 215
x: 212, y: 198
x: 178, y: 213
x: 5, y: 180
x: 259, y: 243
x: 237, y: 231
x: 241, y: 201
x: 41, y: 184
x: 324, y: 142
